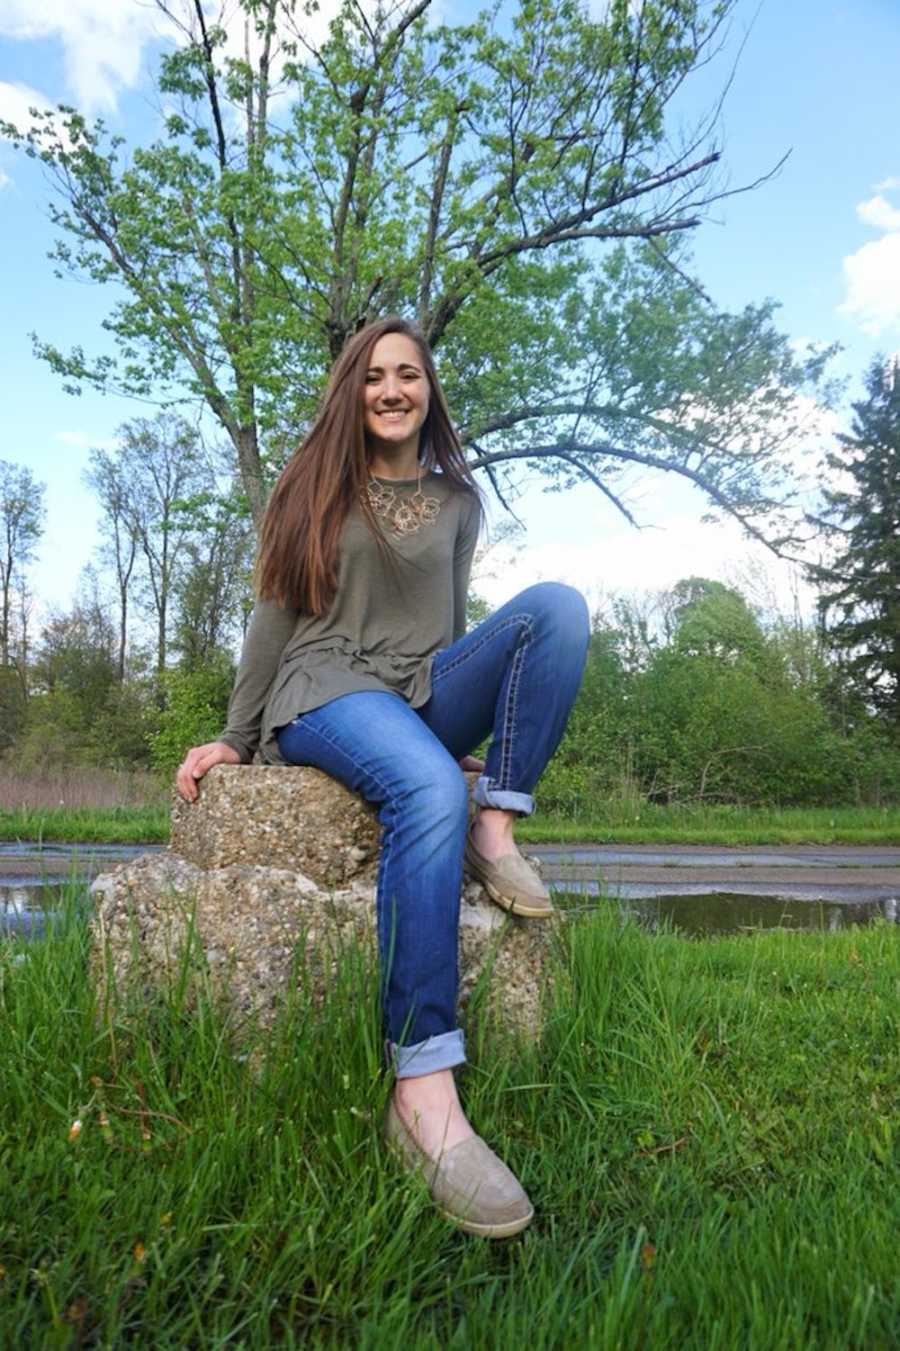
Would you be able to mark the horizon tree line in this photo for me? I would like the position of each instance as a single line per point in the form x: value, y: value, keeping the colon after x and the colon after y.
x: 171, y: 589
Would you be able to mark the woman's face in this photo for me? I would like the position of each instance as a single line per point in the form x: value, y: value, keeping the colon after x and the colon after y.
x: 396, y: 393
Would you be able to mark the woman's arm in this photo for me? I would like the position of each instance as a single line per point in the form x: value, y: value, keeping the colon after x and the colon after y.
x: 270, y: 629
x: 464, y: 552
x: 466, y: 541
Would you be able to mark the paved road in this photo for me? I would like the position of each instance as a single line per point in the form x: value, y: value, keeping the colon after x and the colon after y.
x: 31, y: 860
x: 802, y: 872
x: 698, y: 889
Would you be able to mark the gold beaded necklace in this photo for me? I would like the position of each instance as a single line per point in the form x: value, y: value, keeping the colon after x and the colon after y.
x: 404, y: 515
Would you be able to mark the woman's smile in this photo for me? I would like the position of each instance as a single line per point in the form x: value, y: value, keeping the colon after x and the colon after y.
x: 396, y: 397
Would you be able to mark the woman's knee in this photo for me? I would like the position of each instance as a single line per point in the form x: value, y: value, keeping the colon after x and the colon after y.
x: 561, y: 607
x: 435, y: 789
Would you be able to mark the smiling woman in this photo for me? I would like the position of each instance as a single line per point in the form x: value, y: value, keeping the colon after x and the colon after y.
x: 357, y: 662
x: 396, y: 406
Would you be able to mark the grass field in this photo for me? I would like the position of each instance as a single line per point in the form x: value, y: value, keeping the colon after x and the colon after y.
x: 718, y: 825
x: 88, y: 825
x: 609, y: 824
x: 94, y: 806
x: 708, y: 1130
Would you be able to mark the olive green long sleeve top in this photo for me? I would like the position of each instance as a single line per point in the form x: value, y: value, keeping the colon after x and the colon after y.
x: 388, y: 619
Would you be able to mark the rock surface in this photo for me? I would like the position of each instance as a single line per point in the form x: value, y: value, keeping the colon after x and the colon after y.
x: 273, y: 816
x: 273, y: 861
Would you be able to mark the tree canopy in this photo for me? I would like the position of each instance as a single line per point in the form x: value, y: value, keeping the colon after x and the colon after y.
x: 166, y: 528
x: 512, y: 182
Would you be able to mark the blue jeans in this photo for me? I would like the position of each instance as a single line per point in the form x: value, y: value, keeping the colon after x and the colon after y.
x: 515, y: 675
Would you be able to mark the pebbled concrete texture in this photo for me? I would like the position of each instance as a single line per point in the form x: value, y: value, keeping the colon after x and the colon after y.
x: 276, y: 864
x: 250, y: 924
x: 271, y: 816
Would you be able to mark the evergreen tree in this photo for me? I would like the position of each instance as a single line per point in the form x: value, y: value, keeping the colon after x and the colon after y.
x: 860, y: 600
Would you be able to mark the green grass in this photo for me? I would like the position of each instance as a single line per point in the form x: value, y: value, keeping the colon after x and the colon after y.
x: 708, y: 1131
x: 89, y: 825
x: 609, y: 824
x: 615, y: 823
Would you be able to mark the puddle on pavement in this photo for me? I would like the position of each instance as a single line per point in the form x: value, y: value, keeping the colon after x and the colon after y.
x: 52, y: 849
x: 25, y: 900
x: 731, y: 913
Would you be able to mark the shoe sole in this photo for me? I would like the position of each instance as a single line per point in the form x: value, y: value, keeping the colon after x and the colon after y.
x: 489, y: 1230
x: 515, y: 907
x: 521, y: 908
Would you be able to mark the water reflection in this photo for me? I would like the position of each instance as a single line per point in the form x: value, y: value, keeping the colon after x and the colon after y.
x: 25, y: 904
x: 732, y: 913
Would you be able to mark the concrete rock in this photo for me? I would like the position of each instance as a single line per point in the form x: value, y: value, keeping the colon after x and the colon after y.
x: 248, y: 921
x: 275, y: 816
x: 270, y: 858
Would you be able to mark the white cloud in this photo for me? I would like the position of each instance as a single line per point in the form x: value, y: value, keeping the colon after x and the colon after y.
x: 872, y: 275
x: 102, y: 43
x: 16, y: 100
x: 16, y: 103
x: 626, y: 561
x: 83, y: 441
x: 878, y: 211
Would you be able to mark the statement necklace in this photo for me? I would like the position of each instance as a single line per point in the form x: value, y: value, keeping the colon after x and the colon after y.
x: 404, y: 515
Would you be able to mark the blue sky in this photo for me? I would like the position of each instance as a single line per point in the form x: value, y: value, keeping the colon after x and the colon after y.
x: 816, y: 77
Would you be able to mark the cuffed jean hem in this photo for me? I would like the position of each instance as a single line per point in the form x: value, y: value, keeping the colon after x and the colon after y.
x: 429, y: 1056
x: 486, y: 795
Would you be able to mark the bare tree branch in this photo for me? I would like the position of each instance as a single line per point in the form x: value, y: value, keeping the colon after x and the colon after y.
x: 558, y: 450
x: 598, y: 483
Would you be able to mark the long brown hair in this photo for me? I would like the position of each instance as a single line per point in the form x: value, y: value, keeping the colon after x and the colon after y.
x: 297, y: 564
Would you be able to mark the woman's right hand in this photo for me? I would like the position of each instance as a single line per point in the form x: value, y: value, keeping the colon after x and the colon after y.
x: 199, y: 761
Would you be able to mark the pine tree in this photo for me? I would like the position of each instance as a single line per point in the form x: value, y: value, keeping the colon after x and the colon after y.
x: 860, y: 587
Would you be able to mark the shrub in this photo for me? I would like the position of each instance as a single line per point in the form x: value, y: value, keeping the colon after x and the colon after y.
x: 196, y: 704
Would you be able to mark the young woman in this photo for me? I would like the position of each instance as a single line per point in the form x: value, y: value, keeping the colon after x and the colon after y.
x: 357, y: 661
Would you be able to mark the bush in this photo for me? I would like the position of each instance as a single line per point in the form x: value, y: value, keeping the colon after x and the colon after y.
x: 63, y: 730
x: 875, y: 765
x: 196, y: 705
x: 682, y: 726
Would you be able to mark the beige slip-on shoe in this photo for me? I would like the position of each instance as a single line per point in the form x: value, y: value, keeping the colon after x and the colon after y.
x: 471, y: 1186
x: 510, y: 881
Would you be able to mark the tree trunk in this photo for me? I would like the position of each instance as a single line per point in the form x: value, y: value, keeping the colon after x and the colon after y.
x: 123, y: 631
x: 252, y: 481
x: 161, y: 634
x: 6, y: 578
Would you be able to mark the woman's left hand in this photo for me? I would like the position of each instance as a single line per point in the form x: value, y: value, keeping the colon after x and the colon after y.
x: 470, y: 764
